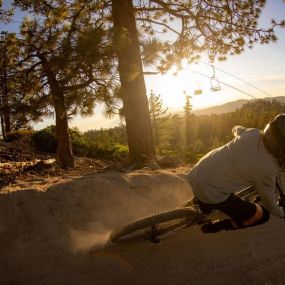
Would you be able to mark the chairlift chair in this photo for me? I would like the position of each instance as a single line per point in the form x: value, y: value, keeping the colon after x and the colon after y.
x: 215, y: 84
x: 198, y: 91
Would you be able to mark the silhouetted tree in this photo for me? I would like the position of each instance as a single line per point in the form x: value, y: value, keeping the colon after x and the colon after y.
x: 5, y: 69
x: 5, y: 15
x: 17, y: 107
x: 156, y: 113
x: 217, y: 27
x: 70, y: 55
x: 187, y: 112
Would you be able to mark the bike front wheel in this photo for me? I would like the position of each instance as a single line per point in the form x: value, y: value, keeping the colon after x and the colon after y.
x: 156, y: 226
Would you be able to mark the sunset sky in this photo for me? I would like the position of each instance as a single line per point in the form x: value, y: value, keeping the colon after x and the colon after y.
x: 263, y: 66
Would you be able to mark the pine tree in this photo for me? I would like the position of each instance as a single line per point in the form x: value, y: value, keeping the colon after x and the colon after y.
x: 188, y: 113
x: 220, y: 28
x: 5, y: 15
x: 69, y: 56
x: 156, y: 113
x: 4, y: 90
x: 176, y: 133
x: 17, y: 108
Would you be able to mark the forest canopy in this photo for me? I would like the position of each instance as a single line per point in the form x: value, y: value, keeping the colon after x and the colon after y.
x: 69, y: 55
x: 206, y: 132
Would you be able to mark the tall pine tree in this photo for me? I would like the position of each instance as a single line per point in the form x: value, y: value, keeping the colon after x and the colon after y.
x: 188, y: 113
x: 69, y: 56
x: 156, y: 113
x: 219, y: 28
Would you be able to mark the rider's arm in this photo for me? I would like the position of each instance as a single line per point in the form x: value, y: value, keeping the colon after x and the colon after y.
x: 269, y: 199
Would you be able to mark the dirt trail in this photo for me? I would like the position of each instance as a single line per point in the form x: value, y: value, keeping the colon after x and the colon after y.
x: 55, y: 236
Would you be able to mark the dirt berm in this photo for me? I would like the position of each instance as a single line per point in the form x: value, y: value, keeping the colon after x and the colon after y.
x: 56, y: 234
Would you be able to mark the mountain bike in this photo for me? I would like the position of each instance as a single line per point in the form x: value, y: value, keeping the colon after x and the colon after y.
x: 156, y: 227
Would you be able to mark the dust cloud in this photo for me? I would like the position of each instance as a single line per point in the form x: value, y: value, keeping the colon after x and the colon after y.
x: 52, y: 226
x: 83, y: 241
x: 117, y: 199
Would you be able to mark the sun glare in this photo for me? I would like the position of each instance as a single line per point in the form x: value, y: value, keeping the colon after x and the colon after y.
x: 172, y: 87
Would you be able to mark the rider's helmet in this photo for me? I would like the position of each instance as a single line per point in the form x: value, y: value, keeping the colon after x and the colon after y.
x: 274, y: 137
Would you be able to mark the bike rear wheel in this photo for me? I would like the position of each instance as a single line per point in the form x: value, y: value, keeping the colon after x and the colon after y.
x: 156, y: 226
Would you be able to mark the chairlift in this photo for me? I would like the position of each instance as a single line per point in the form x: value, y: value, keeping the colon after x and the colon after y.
x: 215, y: 84
x: 198, y: 90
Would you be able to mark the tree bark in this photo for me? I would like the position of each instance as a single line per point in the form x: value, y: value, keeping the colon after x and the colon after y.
x: 64, y: 147
x: 1, y: 113
x: 135, y: 104
x: 5, y: 101
x: 2, y: 127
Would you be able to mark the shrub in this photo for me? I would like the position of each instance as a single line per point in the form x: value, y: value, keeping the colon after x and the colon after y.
x: 79, y: 145
x: 192, y: 157
x: 118, y: 150
x: 112, y: 151
x: 19, y: 135
x: 45, y: 139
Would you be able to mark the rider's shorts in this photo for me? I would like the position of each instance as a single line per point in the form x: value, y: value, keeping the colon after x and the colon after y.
x: 237, y: 209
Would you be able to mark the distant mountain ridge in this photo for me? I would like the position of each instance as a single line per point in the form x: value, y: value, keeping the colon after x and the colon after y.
x: 224, y: 108
x: 219, y: 109
x: 232, y: 106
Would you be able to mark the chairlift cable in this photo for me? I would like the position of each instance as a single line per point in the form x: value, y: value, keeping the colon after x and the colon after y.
x: 240, y: 79
x: 228, y: 85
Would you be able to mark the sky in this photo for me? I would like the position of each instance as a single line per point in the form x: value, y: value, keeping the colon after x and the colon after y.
x: 263, y: 66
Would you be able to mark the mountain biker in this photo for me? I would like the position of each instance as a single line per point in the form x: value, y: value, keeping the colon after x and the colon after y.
x: 252, y: 158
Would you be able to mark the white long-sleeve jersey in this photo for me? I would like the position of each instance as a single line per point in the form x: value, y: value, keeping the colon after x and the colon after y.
x: 241, y: 163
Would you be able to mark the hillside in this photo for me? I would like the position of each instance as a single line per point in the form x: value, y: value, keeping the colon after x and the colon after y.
x: 231, y: 106
x: 224, y: 108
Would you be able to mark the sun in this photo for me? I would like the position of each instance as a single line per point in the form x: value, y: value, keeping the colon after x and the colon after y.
x: 173, y: 85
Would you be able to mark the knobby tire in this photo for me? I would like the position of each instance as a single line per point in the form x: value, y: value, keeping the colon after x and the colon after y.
x: 124, y: 233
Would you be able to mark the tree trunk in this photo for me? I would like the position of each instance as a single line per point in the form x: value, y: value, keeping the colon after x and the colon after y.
x: 136, y: 109
x: 64, y: 148
x: 5, y: 101
x: 7, y: 121
x: 2, y: 127
x: 1, y: 113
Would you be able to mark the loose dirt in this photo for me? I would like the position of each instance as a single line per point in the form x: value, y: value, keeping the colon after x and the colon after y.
x: 53, y: 230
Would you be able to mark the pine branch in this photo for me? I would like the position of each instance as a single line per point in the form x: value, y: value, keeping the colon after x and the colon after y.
x: 158, y: 23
